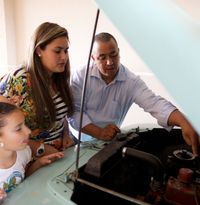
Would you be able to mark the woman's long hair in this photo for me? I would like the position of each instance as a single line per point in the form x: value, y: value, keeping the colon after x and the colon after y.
x: 45, y: 34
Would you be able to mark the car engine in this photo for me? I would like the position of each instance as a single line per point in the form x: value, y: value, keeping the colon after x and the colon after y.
x: 141, y: 167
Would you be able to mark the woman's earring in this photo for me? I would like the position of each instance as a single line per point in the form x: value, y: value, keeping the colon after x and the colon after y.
x: 39, y: 55
x: 1, y: 144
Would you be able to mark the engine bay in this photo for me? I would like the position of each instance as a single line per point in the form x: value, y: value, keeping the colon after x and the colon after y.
x: 141, y: 167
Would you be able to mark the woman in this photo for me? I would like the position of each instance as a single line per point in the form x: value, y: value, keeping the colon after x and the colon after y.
x: 41, y: 89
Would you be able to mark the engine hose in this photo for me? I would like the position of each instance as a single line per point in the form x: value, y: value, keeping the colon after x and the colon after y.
x: 148, y: 158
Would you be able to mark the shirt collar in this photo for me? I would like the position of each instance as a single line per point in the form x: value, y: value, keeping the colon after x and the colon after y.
x: 121, y: 76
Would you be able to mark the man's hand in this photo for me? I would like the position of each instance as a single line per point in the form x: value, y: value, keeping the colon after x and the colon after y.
x: 107, y: 133
x: 190, y: 136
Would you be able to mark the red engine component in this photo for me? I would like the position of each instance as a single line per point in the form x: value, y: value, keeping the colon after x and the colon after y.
x: 180, y: 190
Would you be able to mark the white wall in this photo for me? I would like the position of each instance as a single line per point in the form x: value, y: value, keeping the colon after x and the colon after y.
x: 78, y: 16
x: 3, y: 50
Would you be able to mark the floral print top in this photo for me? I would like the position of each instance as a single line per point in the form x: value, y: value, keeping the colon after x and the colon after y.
x: 16, y: 87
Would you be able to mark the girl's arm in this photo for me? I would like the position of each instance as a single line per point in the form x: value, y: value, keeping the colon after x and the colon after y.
x: 42, y: 161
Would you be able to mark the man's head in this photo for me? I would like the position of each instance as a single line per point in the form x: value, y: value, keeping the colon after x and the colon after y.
x: 106, y: 56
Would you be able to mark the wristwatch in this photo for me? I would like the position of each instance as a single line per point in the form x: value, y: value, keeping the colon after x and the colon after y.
x: 40, y: 150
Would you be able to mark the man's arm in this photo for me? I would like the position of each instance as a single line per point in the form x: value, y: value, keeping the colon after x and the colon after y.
x: 190, y: 136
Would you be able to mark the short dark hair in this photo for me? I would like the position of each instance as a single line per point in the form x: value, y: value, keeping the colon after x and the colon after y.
x: 104, y: 37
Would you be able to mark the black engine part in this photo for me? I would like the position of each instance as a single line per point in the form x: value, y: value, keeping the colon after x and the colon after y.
x: 129, y: 175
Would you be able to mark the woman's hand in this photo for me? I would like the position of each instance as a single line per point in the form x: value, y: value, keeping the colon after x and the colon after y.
x: 48, y: 149
x: 67, y: 142
x: 3, y: 195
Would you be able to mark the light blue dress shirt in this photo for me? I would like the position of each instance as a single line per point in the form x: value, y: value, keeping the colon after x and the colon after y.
x: 109, y: 103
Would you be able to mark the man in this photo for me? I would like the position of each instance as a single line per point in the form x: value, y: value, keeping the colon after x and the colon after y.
x: 112, y: 89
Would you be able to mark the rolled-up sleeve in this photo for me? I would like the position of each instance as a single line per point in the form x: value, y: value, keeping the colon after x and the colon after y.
x: 156, y: 105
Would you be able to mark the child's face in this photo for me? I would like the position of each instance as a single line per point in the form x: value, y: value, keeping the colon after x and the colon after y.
x: 15, y: 134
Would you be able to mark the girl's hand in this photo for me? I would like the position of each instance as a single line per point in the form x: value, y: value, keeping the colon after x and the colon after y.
x: 3, y: 195
x: 42, y: 161
x: 48, y: 159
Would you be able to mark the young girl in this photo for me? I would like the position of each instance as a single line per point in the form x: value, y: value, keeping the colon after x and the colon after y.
x: 15, y: 154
